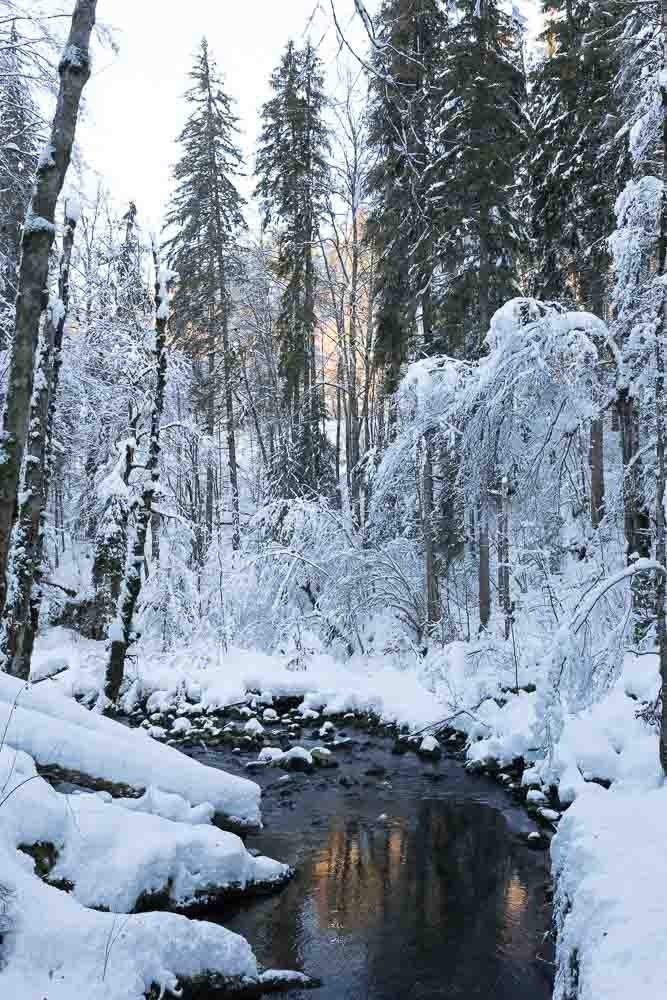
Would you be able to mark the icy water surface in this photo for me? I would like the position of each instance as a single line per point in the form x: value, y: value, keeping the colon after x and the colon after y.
x: 412, y: 883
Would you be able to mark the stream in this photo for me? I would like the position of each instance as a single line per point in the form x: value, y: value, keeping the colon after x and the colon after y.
x: 413, y: 880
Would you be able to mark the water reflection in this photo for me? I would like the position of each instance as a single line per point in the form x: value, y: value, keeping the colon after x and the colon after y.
x: 435, y: 904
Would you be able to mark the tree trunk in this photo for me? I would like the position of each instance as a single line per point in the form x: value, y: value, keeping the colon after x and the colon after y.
x: 484, y: 577
x: 433, y: 612
x: 36, y: 242
x: 504, y: 596
x: 210, y: 431
x: 637, y: 524
x: 484, y: 269
x: 156, y: 520
x: 353, y: 403
x: 661, y: 541
x: 121, y: 629
x: 596, y: 457
x: 24, y: 596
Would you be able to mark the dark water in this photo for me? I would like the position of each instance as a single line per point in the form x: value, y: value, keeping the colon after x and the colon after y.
x: 413, y: 884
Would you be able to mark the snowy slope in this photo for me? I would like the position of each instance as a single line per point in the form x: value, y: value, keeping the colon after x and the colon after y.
x: 55, y: 730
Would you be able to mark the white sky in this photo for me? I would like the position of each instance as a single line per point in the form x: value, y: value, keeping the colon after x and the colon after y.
x: 134, y: 105
x: 134, y: 101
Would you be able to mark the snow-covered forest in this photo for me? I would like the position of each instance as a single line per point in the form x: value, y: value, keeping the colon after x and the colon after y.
x: 373, y: 426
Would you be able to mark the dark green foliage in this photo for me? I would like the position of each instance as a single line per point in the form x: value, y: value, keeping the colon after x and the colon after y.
x: 572, y: 167
x: 411, y: 37
x: 206, y: 210
x: 292, y: 183
x: 481, y: 133
x: 206, y: 216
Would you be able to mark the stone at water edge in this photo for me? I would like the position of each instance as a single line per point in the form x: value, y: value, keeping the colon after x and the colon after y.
x: 550, y: 815
x: 344, y: 743
x: 270, y: 715
x: 270, y: 754
x: 181, y: 726
x: 256, y: 765
x: 253, y: 727
x: 156, y: 732
x: 429, y: 747
x: 323, y: 757
x: 296, y: 759
x: 536, y: 840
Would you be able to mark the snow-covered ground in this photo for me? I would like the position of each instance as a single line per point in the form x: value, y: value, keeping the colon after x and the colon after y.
x: 54, y: 730
x: 610, y: 863
x: 609, y: 858
x: 64, y: 858
x: 57, y: 947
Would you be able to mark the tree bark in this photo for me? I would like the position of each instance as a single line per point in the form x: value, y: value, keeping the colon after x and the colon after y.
x: 21, y: 615
x: 352, y: 401
x: 636, y: 520
x: 484, y: 269
x: 596, y: 457
x: 121, y: 634
x: 504, y: 595
x: 484, y: 579
x: 661, y: 541
x: 433, y: 611
x: 36, y: 242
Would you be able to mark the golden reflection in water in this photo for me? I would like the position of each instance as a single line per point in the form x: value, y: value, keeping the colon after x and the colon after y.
x: 354, y: 874
x: 516, y: 897
x: 362, y: 875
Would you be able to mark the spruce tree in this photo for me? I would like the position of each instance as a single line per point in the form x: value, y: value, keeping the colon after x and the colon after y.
x: 406, y: 62
x: 481, y: 134
x: 206, y: 216
x: 292, y: 183
x: 571, y: 165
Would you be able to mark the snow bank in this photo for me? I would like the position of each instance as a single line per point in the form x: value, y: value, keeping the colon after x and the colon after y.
x: 610, y: 865
x: 205, y: 682
x: 55, y: 730
x: 112, y: 856
x: 57, y: 948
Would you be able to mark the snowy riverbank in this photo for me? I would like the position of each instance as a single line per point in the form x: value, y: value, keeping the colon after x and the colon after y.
x: 608, y: 852
x: 80, y: 871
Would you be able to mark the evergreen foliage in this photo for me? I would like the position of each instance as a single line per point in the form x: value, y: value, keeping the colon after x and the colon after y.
x: 572, y: 162
x: 481, y: 133
x: 412, y: 36
x: 292, y: 184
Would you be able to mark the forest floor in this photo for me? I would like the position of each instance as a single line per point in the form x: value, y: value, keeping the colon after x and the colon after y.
x: 600, y: 788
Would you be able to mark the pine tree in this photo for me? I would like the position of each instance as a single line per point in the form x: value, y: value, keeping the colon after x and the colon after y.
x: 19, y: 126
x: 206, y: 214
x: 571, y: 165
x: 406, y: 63
x: 292, y: 183
x: 481, y: 134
